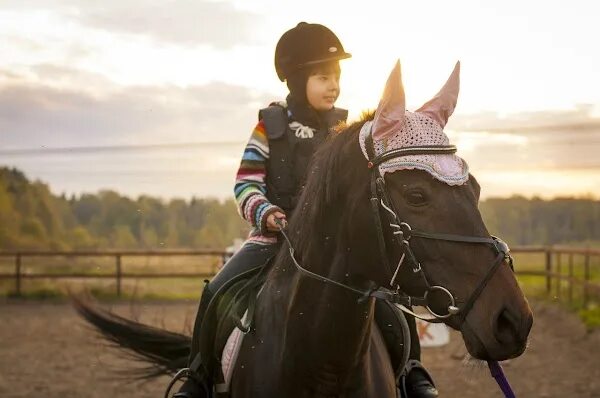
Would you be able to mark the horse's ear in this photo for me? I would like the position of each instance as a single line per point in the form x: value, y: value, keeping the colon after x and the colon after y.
x: 440, y: 107
x: 389, y: 116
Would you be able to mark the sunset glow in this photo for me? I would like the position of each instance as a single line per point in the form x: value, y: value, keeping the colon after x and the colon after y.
x: 77, y: 74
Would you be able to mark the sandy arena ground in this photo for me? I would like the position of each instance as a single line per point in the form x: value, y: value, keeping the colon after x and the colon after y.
x: 47, y: 351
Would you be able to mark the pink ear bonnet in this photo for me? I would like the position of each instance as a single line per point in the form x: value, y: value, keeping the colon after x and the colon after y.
x: 393, y: 128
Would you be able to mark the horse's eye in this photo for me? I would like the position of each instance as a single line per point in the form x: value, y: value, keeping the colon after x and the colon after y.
x: 415, y: 198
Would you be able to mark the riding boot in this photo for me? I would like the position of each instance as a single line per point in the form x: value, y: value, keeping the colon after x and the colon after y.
x: 416, y: 382
x: 199, y: 385
x: 207, y: 295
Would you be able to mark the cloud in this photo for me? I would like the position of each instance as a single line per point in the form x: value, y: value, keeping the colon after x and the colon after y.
x: 38, y: 114
x: 581, y: 118
x: 217, y: 24
x: 190, y: 22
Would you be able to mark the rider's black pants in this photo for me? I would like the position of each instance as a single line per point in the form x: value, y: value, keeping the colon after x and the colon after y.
x: 249, y: 256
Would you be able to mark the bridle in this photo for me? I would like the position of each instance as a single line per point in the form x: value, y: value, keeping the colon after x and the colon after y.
x: 401, y: 235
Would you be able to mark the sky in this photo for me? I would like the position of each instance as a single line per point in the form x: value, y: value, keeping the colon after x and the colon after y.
x: 140, y: 85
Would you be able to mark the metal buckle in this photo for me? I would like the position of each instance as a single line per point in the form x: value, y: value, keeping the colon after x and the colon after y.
x: 407, y: 234
x: 500, y: 246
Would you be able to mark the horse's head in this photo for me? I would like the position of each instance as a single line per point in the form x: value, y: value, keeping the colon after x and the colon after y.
x: 433, y: 193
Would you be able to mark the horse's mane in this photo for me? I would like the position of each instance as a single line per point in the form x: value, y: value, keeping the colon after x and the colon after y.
x: 328, y: 201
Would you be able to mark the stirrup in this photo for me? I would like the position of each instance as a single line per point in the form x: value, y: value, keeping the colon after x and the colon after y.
x: 202, y: 391
x: 183, y: 394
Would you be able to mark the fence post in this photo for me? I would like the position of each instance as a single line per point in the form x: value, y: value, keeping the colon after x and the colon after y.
x: 118, y: 274
x: 570, y: 278
x: 586, y: 279
x: 18, y: 274
x: 548, y: 271
x: 558, y: 274
x: 217, y: 264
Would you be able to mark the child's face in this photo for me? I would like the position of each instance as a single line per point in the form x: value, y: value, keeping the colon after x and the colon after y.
x: 323, y: 89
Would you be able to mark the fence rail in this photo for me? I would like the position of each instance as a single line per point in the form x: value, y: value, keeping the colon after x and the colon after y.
x: 556, y: 278
x: 19, y: 275
x: 553, y: 267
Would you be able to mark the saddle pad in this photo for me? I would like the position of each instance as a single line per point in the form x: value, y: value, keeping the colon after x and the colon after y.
x: 229, y: 356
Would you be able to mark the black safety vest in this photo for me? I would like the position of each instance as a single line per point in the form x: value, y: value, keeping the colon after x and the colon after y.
x: 289, y: 156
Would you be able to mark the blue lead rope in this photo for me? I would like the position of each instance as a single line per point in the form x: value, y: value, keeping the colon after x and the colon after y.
x: 498, y: 374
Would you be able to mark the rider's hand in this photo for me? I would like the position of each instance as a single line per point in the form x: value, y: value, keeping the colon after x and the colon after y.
x: 272, y: 225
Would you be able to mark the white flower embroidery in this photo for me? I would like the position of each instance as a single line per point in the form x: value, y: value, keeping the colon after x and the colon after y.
x: 302, y: 131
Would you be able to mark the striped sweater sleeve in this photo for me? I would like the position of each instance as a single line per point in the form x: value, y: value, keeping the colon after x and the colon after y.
x: 250, y: 183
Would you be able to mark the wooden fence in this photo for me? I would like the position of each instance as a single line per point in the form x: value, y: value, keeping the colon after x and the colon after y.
x: 554, y: 272
x: 560, y: 270
x: 19, y: 275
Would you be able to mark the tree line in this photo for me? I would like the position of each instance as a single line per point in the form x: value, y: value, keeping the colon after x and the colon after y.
x: 32, y: 218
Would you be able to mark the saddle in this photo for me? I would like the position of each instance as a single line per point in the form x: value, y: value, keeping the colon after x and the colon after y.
x: 231, y: 307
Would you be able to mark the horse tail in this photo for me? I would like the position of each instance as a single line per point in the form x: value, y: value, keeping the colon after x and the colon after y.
x: 165, y: 351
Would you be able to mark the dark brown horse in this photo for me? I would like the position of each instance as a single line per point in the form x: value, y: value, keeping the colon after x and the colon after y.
x: 313, y: 338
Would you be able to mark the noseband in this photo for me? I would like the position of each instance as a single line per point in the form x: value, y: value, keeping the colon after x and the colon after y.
x: 401, y: 235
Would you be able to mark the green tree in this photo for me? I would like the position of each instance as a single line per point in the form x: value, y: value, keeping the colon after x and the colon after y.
x: 32, y: 217
x: 122, y: 238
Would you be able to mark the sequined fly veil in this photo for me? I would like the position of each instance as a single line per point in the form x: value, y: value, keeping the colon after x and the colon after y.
x: 393, y: 127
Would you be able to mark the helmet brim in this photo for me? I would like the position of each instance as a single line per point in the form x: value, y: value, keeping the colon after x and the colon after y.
x: 336, y: 57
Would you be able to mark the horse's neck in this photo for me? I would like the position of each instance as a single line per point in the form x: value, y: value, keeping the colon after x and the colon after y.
x: 326, y: 330
x: 336, y: 321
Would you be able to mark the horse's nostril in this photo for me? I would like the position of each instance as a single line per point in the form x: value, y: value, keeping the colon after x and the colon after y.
x: 507, y: 328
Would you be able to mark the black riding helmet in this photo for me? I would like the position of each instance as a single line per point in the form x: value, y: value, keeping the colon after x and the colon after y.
x: 306, y: 44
